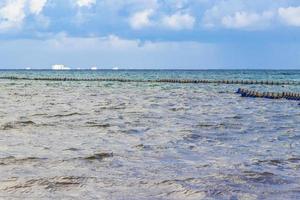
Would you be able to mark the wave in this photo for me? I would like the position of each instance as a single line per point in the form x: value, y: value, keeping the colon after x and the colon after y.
x: 11, y: 160
x: 65, y: 115
x: 16, y: 125
x: 97, y: 125
x: 98, y: 156
x: 52, y: 184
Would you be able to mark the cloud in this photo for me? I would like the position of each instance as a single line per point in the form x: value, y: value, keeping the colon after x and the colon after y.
x: 12, y: 14
x: 156, y: 18
x: 85, y: 3
x: 247, y: 20
x: 141, y: 19
x: 290, y: 15
x: 36, y: 6
x: 179, y: 21
x: 246, y: 15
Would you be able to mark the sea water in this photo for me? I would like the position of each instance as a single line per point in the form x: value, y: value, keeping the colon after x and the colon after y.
x: 113, y: 140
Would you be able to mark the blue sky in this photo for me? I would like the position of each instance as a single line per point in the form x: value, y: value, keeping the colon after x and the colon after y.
x: 194, y: 34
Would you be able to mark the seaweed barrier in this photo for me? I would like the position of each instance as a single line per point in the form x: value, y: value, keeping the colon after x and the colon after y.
x: 269, y: 95
x: 243, y: 82
x: 243, y: 92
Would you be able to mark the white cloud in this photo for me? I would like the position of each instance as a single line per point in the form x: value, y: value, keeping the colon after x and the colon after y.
x: 290, y: 15
x: 241, y: 14
x: 179, y: 21
x: 85, y: 3
x: 141, y: 19
x: 116, y: 15
x: 12, y: 14
x: 36, y: 6
x: 246, y: 20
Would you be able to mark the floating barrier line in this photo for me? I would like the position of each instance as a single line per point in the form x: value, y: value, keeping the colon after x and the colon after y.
x: 269, y: 95
x: 244, y: 82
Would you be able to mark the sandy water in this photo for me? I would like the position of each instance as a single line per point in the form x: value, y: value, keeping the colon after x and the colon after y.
x: 110, y: 140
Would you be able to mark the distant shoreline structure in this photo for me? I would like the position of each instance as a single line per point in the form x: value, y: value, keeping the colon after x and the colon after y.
x: 94, y: 68
x: 60, y: 67
x: 63, y: 67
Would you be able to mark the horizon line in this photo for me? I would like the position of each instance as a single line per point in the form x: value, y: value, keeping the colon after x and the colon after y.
x: 155, y: 69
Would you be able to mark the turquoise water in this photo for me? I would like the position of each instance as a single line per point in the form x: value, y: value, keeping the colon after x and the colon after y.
x: 293, y: 75
x: 113, y: 140
x: 272, y: 75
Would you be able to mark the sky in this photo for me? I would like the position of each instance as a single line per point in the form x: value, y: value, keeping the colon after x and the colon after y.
x: 151, y: 34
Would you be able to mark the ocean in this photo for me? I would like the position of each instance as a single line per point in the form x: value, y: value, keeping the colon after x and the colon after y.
x: 140, y: 140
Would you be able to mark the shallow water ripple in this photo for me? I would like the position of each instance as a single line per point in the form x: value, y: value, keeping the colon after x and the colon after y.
x: 80, y: 140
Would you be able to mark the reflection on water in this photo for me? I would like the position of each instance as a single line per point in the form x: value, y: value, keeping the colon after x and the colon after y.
x: 79, y: 140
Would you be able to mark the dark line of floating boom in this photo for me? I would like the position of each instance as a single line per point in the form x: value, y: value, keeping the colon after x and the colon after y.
x: 244, y: 82
x: 269, y: 95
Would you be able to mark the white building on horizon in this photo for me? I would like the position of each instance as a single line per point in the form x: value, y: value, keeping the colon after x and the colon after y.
x: 60, y: 67
x: 94, y: 68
